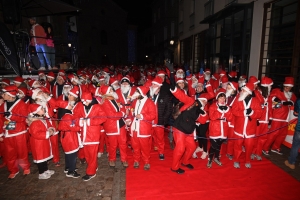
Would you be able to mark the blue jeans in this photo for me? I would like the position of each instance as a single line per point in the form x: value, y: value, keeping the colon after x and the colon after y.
x: 295, y: 147
x: 42, y: 53
x: 51, y: 55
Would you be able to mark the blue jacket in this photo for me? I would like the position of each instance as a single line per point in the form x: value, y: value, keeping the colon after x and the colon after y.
x: 296, y: 110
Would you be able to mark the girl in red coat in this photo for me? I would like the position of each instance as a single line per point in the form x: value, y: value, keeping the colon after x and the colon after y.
x: 40, y: 130
x: 219, y: 115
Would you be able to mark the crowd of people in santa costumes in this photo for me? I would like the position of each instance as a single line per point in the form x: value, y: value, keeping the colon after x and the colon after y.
x: 113, y: 108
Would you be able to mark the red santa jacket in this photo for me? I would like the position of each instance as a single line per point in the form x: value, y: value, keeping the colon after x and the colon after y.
x: 280, y: 112
x: 89, y: 122
x: 245, y: 125
x: 122, y: 100
x: 114, y: 113
x: 218, y: 125
x: 18, y: 113
x: 69, y: 137
x: 147, y: 109
x: 40, y: 141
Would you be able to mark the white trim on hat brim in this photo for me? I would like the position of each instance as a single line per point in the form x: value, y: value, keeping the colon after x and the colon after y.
x: 247, y: 89
x: 289, y: 85
x: 266, y: 85
x: 156, y: 83
x: 74, y: 95
x: 38, y: 109
x: 8, y: 93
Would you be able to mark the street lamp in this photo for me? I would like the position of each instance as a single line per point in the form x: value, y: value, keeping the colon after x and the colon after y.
x: 171, y: 42
x: 69, y: 45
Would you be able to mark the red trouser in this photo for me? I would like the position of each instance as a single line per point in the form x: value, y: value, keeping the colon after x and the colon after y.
x: 230, y: 141
x: 81, y: 153
x: 159, y: 138
x: 276, y: 136
x: 184, y: 148
x: 103, y: 142
x: 248, y: 144
x: 261, y: 138
x: 55, y: 148
x: 16, y: 153
x: 90, y: 153
x: 141, y: 148
x: 114, y: 141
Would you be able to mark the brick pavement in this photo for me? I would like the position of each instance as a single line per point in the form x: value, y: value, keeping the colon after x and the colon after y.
x: 109, y: 184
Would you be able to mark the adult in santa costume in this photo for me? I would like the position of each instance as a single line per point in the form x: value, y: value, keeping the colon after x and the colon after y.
x: 162, y: 101
x: 57, y: 88
x: 76, y: 82
x: 144, y: 112
x: 13, y: 134
x: 219, y: 115
x: 114, y: 126
x: 247, y: 110
x: 263, y: 92
x: 282, y: 100
x: 40, y: 130
x: 91, y: 116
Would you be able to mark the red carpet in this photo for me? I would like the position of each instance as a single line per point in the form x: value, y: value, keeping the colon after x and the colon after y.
x: 263, y: 181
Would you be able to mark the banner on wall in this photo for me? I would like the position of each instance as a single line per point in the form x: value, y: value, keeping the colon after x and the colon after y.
x: 291, y: 129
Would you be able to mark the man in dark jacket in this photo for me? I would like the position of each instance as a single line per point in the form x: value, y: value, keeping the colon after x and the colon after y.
x: 162, y: 100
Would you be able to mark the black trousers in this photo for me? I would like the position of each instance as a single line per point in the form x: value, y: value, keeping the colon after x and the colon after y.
x: 215, y: 147
x: 42, y: 167
x: 70, y: 160
x: 201, y: 133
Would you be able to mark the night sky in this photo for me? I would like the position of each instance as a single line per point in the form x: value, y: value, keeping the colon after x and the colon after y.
x: 139, y: 12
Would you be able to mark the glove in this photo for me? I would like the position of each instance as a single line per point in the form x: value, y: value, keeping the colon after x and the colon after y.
x: 202, y: 112
x: 187, y: 73
x: 277, y: 100
x: 170, y: 66
x: 201, y: 71
x: 223, y: 107
x: 287, y: 103
x: 270, y: 122
x: 6, y: 114
x: 249, y: 110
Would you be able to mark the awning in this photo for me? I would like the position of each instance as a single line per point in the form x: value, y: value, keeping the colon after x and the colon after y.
x: 233, y: 8
x: 36, y: 8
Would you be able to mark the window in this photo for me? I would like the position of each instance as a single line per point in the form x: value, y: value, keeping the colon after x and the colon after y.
x: 209, y: 8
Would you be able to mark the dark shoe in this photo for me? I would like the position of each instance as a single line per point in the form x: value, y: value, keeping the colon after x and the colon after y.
x: 230, y: 157
x: 136, y: 165
x: 178, y: 171
x: 88, y: 177
x: 125, y: 164
x: 216, y: 160
x: 66, y: 170
x: 112, y: 163
x: 188, y: 166
x: 277, y: 151
x: 266, y: 153
x: 73, y: 174
x: 209, y: 164
x: 82, y: 161
x: 161, y: 156
x: 147, y: 166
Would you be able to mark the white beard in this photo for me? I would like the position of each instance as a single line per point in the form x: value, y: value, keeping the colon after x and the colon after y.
x: 180, y: 75
x: 229, y: 92
x: 42, y: 103
x: 224, y: 85
x: 243, y: 95
x: 241, y: 83
x: 207, y: 77
x: 194, y: 85
x: 115, y: 87
x: 125, y: 89
x: 152, y: 91
x: 72, y: 103
x: 135, y: 95
x: 66, y: 91
x: 288, y: 95
x: 269, y: 90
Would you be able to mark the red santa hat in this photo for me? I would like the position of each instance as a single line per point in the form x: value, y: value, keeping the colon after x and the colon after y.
x: 23, y: 90
x: 220, y: 91
x: 157, y: 81
x: 254, y: 80
x: 71, y: 77
x: 50, y: 75
x: 207, y: 70
x: 40, y: 73
x: 289, y: 81
x: 161, y: 73
x: 106, y: 69
x: 178, y: 80
x: 148, y: 83
x: 266, y: 81
x: 243, y: 77
x: 216, y: 76
x: 31, y: 83
x: 204, y: 97
x: 18, y: 79
x: 45, y: 90
x: 112, y: 80
x: 249, y: 87
x: 74, y: 91
x: 105, y: 89
x: 222, y: 72
x: 61, y: 72
x: 143, y: 90
x: 125, y: 79
x: 11, y: 90
x: 35, y: 93
x: 5, y: 81
x: 34, y: 108
x: 224, y: 79
x: 234, y: 85
x: 61, y: 76
x: 86, y: 96
x: 232, y: 74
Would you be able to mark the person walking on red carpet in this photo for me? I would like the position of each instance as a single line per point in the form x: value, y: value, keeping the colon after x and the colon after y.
x: 13, y: 120
x: 247, y: 110
x: 282, y: 101
x: 219, y: 115
x: 144, y: 112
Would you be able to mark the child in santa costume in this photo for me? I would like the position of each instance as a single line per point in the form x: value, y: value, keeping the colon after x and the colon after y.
x: 40, y: 131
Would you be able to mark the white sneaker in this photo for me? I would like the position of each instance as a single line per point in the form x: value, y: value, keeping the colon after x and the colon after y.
x: 204, y: 155
x: 198, y: 150
x: 42, y: 68
x: 50, y: 172
x: 49, y: 67
x: 44, y: 176
x: 99, y: 154
x: 195, y: 155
